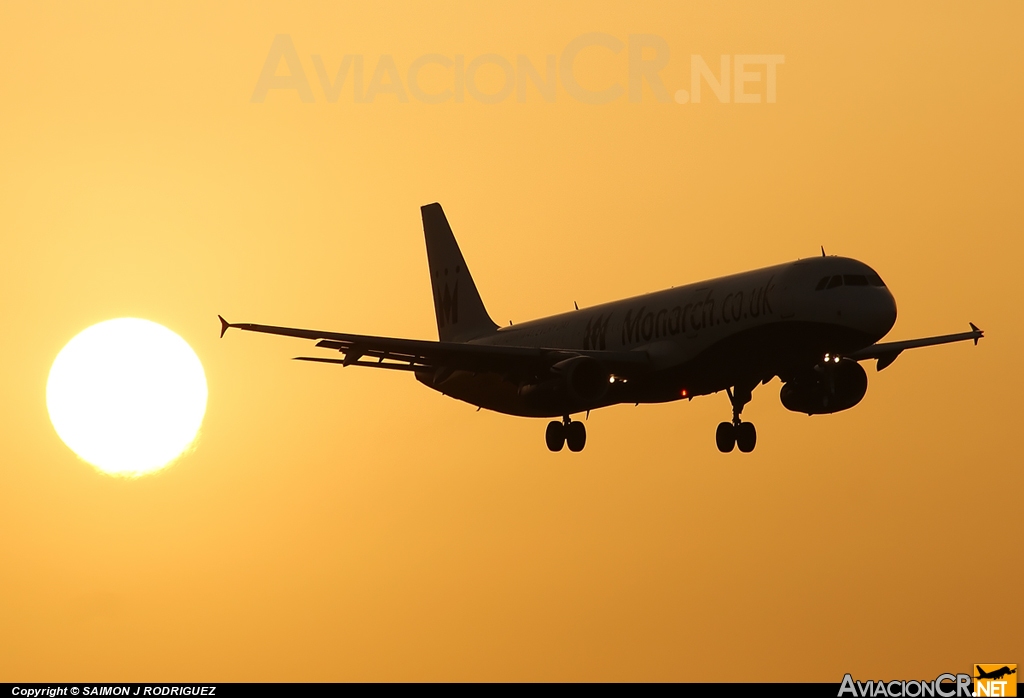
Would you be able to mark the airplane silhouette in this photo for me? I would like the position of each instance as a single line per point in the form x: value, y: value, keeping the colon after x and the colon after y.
x: 997, y: 674
x: 809, y: 322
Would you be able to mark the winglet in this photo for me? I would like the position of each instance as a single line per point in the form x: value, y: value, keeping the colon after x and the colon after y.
x: 980, y: 332
x: 224, y: 325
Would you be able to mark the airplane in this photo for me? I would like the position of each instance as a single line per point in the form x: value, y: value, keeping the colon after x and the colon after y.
x: 995, y: 675
x: 809, y: 322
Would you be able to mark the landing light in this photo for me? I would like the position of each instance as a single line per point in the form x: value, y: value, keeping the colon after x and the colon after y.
x: 684, y: 392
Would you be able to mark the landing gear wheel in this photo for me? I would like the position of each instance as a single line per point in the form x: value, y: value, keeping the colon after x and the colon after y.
x: 725, y: 437
x: 575, y: 436
x: 555, y: 436
x: 737, y: 432
x: 746, y: 436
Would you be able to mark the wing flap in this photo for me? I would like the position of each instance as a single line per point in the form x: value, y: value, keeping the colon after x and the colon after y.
x: 371, y: 364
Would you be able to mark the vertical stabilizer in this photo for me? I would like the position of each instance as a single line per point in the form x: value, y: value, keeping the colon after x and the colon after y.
x: 460, y: 312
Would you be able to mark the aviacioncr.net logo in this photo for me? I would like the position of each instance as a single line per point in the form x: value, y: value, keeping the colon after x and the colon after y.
x: 995, y: 680
x: 943, y: 686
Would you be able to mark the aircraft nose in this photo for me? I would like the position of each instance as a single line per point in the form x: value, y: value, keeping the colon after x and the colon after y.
x: 885, y: 313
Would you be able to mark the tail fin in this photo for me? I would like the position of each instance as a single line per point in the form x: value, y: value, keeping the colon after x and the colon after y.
x: 461, y: 315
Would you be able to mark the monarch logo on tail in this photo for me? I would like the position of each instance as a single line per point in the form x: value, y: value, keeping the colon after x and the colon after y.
x: 446, y: 305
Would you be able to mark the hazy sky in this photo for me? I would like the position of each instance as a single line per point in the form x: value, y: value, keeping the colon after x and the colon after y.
x: 337, y: 524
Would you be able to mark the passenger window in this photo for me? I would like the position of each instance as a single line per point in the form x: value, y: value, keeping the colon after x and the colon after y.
x: 876, y: 280
x: 822, y: 284
x: 855, y: 280
x: 836, y: 281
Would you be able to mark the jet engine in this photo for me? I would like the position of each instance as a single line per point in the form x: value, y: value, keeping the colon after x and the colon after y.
x: 585, y: 379
x: 576, y: 383
x: 829, y: 387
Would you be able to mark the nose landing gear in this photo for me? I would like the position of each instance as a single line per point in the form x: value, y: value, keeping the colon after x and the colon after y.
x: 737, y: 432
x: 567, y: 433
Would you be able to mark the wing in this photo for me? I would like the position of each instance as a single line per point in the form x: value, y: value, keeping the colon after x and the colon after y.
x: 887, y: 352
x: 425, y: 355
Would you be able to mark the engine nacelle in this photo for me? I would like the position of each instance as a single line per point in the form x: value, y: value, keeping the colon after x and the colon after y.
x: 585, y: 379
x: 573, y: 384
x: 826, y: 389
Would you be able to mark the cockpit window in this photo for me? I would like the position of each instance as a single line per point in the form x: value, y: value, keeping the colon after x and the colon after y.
x: 848, y: 280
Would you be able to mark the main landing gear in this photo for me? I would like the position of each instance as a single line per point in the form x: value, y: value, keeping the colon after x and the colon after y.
x: 736, y: 432
x: 567, y: 433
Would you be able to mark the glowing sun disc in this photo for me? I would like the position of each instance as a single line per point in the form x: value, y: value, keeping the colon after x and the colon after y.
x: 127, y: 396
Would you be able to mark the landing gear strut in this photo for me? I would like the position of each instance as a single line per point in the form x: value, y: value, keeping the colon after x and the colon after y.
x: 568, y: 433
x: 736, y: 432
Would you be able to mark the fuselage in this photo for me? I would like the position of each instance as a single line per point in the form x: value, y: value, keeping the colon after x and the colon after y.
x: 703, y: 337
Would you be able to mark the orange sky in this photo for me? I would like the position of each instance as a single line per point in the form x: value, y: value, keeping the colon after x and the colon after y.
x: 346, y: 524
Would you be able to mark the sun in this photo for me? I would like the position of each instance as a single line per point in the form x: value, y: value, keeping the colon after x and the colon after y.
x: 127, y: 396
